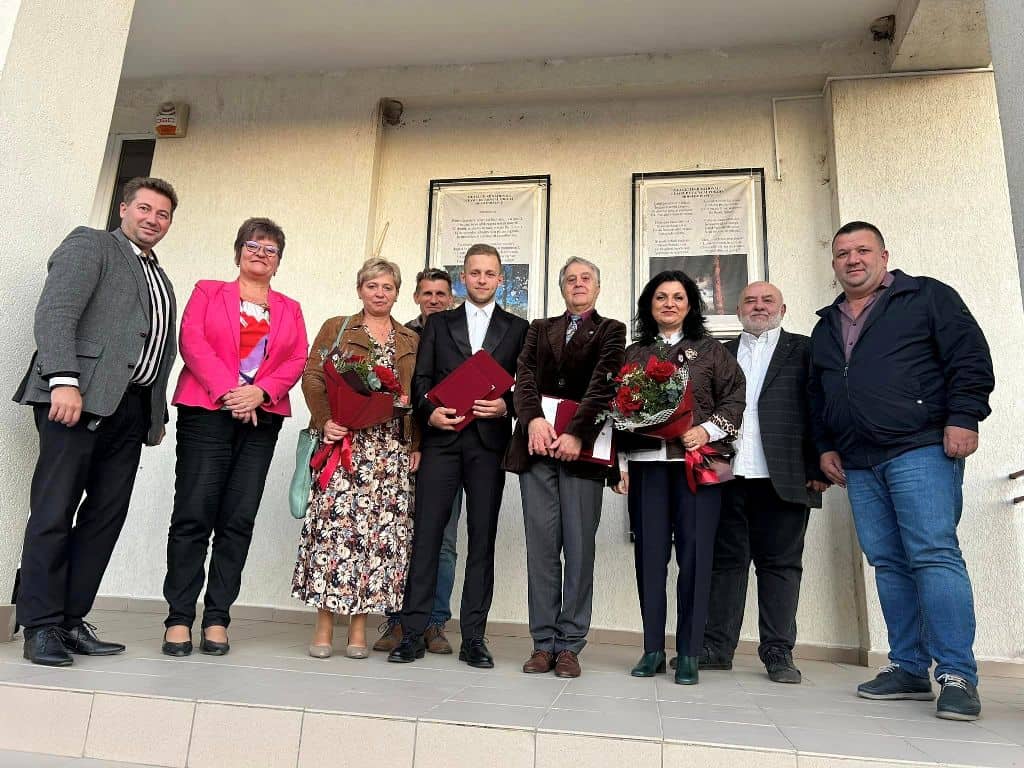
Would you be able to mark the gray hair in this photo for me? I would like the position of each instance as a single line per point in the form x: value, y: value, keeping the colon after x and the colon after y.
x: 577, y: 260
x: 376, y: 267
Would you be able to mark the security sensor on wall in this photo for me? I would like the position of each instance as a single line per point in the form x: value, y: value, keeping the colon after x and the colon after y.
x: 171, y: 120
x: 391, y: 111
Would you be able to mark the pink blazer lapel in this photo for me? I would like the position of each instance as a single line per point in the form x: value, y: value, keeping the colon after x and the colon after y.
x: 232, y: 305
x: 277, y: 315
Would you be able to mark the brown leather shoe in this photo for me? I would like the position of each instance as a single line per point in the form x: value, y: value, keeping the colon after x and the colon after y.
x: 539, y: 663
x: 390, y: 637
x: 567, y: 664
x: 436, y: 641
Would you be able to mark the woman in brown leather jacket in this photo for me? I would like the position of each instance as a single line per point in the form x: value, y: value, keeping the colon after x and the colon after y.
x: 670, y: 322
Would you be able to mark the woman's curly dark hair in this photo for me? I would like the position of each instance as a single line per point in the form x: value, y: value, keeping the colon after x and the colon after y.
x: 645, y: 329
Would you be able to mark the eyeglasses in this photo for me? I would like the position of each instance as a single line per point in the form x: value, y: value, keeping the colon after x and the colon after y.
x: 254, y: 248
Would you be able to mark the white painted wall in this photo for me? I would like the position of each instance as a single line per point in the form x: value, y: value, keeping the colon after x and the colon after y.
x: 51, y: 146
x: 8, y: 16
x: 244, y: 157
x: 944, y: 210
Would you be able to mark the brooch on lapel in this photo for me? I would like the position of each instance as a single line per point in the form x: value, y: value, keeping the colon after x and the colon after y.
x: 688, y: 355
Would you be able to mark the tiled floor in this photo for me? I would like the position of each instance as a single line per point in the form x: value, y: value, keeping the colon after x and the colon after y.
x: 268, y: 667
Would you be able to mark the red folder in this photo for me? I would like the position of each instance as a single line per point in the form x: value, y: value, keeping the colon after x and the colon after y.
x: 564, y: 413
x: 479, y: 378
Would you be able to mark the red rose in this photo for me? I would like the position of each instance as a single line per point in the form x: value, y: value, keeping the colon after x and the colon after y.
x: 388, y: 380
x: 627, y: 401
x: 659, y: 370
x: 627, y: 369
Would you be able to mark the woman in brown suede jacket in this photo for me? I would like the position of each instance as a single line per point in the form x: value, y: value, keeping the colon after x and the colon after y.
x: 662, y: 508
x: 356, y: 538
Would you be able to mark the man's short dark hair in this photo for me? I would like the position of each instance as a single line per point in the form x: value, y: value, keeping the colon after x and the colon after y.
x: 257, y: 227
x: 859, y: 226
x: 132, y: 187
x: 430, y: 273
x: 482, y: 249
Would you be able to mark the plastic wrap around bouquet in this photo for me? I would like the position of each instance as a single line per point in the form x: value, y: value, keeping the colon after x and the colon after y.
x: 656, y: 400
x: 360, y: 395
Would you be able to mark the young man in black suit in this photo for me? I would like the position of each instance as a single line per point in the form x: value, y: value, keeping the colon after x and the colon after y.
x: 471, y: 457
x: 766, y: 509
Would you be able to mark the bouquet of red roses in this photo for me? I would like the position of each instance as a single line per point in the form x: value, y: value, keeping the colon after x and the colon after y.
x: 360, y: 394
x: 653, y: 399
x: 656, y: 400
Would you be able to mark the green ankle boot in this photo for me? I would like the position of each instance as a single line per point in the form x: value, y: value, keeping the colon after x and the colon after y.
x: 649, y: 664
x: 686, y: 670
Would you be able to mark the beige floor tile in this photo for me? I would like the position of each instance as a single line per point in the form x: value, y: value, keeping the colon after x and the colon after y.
x: 366, y: 740
x: 44, y: 720
x: 557, y: 750
x: 690, y: 755
x: 136, y: 729
x: 458, y: 746
x: 813, y: 761
x: 225, y: 736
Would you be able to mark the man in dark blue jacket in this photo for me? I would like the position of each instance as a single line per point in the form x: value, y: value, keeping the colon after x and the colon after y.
x: 900, y: 378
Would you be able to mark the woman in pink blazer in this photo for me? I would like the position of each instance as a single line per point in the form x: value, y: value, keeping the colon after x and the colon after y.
x: 244, y: 347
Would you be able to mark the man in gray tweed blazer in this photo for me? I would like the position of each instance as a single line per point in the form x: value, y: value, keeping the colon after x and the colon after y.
x: 766, y: 509
x: 104, y: 332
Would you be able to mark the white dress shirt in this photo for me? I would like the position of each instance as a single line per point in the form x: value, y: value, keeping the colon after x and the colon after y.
x: 754, y: 355
x: 478, y: 318
x: 660, y: 453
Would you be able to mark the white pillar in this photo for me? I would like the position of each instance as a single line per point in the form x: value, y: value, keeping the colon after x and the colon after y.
x: 60, y: 65
x: 921, y: 158
x: 1006, y: 39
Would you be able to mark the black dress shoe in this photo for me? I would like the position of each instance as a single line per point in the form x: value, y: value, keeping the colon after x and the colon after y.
x: 45, y: 645
x: 176, y: 649
x: 213, y: 648
x: 411, y: 648
x: 82, y: 639
x: 474, y: 652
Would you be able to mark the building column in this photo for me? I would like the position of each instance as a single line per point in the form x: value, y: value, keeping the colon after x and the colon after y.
x: 1006, y: 39
x: 60, y: 65
x: 921, y: 158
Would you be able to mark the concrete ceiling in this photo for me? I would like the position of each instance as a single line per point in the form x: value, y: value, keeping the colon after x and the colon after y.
x: 196, y: 37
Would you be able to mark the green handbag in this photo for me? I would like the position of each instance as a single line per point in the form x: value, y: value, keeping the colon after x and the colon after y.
x: 302, y: 477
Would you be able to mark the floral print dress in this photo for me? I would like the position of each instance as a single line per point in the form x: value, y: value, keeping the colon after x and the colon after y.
x: 357, y: 535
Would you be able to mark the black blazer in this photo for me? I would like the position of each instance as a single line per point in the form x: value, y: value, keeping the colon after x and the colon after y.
x: 582, y: 371
x: 444, y: 346
x: 783, y: 410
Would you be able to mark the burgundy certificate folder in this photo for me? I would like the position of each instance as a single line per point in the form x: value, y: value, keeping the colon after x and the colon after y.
x: 479, y: 378
x: 560, y: 412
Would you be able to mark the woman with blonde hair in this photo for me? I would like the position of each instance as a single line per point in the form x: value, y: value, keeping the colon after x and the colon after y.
x: 354, y: 547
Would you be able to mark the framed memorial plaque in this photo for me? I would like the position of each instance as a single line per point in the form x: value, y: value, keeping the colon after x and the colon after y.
x: 510, y: 213
x: 710, y: 225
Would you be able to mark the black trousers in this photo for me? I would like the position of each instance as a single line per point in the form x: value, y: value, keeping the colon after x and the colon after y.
x: 219, y: 478
x: 68, y: 541
x: 756, y: 526
x: 662, y: 508
x: 443, y: 467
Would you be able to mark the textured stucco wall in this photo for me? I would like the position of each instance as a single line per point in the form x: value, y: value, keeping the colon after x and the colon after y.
x: 51, y: 147
x: 245, y: 155
x: 1006, y: 35
x: 922, y: 158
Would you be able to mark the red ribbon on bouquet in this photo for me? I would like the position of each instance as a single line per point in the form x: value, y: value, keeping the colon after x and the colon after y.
x: 706, y: 466
x: 327, y: 458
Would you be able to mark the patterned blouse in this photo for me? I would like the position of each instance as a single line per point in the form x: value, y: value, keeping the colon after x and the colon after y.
x: 252, y: 348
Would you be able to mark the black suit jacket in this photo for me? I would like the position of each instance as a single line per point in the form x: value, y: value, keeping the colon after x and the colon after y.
x: 580, y: 371
x: 444, y: 346
x: 783, y: 410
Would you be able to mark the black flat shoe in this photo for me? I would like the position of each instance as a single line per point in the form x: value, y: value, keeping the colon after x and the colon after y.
x: 649, y: 665
x: 475, y: 653
x: 176, y: 649
x: 411, y: 648
x: 212, y: 648
x: 82, y: 639
x: 45, y: 645
x: 686, y: 670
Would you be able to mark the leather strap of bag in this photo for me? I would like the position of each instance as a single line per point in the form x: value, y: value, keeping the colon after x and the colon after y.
x: 337, y: 339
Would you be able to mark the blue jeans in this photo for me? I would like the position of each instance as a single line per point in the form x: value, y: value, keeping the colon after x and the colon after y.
x: 906, y: 511
x: 442, y: 610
